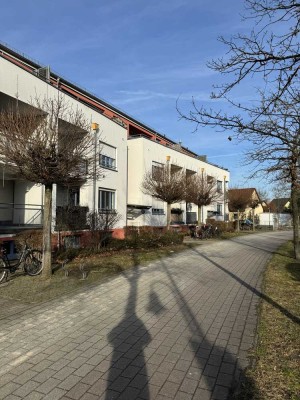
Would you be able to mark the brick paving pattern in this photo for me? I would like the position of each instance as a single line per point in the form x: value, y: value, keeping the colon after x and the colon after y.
x: 178, y: 329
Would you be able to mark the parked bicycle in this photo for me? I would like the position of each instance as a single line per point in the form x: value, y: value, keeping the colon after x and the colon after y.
x: 208, y: 231
x: 30, y: 260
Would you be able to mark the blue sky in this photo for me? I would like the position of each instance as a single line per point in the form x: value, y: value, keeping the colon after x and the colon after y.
x: 140, y: 56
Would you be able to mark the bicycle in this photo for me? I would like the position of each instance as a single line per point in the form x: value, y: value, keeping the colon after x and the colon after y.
x: 30, y: 260
x: 206, y: 232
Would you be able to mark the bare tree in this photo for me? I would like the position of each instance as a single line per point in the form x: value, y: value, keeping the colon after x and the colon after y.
x: 166, y: 184
x: 274, y: 131
x: 272, y: 126
x: 238, y: 200
x: 100, y: 225
x: 201, y: 190
x: 274, y: 57
x: 47, y: 143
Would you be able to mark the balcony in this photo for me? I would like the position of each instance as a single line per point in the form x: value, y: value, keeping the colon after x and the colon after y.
x: 15, y: 217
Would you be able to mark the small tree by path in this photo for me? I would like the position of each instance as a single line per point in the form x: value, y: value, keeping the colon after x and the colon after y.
x: 237, y: 202
x: 47, y: 142
x: 166, y: 184
x: 201, y: 190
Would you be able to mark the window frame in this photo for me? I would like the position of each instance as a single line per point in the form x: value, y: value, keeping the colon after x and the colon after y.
x: 106, y: 161
x: 111, y: 200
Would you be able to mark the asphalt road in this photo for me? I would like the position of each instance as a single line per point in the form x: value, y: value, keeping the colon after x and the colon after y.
x: 178, y: 329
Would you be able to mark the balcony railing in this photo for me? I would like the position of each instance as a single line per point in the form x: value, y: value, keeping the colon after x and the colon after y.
x: 20, y: 215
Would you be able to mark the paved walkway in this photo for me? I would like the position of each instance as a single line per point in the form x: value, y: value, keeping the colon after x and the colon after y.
x: 178, y: 329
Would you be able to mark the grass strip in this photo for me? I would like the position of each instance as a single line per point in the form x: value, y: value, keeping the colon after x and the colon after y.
x: 275, y: 372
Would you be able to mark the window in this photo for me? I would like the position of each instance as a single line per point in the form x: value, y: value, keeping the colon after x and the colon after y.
x: 219, y: 186
x: 72, y: 242
x: 106, y: 200
x: 219, y: 209
x: 107, y: 156
x: 158, y: 211
x: 156, y: 168
x: 210, y: 179
x: 74, y: 196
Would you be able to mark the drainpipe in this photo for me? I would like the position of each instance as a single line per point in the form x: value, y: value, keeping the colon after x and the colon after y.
x: 95, y: 128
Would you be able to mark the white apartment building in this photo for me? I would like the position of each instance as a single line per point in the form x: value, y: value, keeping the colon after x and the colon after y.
x: 21, y: 202
x: 125, y: 148
x: 143, y: 154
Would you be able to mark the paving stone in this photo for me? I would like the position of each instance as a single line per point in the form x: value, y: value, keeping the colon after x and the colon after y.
x: 99, y: 387
x: 44, y: 375
x: 55, y: 394
x: 78, y: 391
x: 42, y: 365
x: 89, y: 396
x: 25, y: 389
x: 25, y: 377
x: 139, y: 381
x: 220, y: 393
x: 129, y: 393
x: 202, y: 394
x: 7, y: 389
x: 183, y: 396
x: 69, y: 382
x: 169, y: 389
x: 59, y: 364
x: 91, y: 377
x: 6, y: 378
x: 183, y: 365
x: 188, y: 386
x: 211, y: 370
x: 48, y: 385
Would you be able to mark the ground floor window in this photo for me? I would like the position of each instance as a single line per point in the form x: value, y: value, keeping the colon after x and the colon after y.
x: 158, y: 211
x: 219, y: 209
x: 106, y: 200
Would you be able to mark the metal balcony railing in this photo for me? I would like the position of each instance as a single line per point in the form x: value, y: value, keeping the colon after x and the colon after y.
x: 18, y: 214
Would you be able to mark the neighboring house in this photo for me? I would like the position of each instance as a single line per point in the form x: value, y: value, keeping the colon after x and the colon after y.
x: 252, y: 208
x: 124, y: 147
x: 280, y: 205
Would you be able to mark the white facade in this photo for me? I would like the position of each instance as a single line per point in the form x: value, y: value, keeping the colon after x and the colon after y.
x: 15, y: 83
x: 146, y: 210
x: 276, y: 220
x: 124, y: 155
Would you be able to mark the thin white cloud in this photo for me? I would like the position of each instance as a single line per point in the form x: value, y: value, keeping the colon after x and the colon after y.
x: 133, y: 96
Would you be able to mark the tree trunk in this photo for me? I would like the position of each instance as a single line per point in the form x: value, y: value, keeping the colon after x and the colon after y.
x: 199, y: 216
x: 253, y: 217
x: 238, y: 221
x: 168, y: 216
x: 47, y: 219
x: 295, y: 214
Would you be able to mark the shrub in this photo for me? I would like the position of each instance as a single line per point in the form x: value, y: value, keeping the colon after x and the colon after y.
x: 68, y: 254
x: 33, y: 237
x: 147, y: 238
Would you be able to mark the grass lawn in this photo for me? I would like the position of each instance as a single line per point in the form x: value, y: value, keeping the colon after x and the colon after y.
x: 275, y: 374
x: 99, y: 267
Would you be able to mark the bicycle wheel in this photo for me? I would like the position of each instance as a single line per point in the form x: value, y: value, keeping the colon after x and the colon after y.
x: 33, y: 262
x: 3, y: 270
